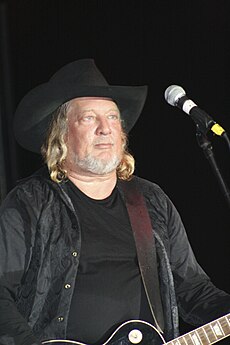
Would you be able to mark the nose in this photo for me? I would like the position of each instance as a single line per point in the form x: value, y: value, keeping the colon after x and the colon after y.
x: 103, y: 127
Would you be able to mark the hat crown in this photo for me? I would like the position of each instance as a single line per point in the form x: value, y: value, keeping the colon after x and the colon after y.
x: 82, y: 72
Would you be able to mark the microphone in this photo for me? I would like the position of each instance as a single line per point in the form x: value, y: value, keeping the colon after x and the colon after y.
x: 176, y: 96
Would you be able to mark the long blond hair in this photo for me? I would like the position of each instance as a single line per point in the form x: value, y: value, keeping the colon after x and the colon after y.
x: 54, y: 149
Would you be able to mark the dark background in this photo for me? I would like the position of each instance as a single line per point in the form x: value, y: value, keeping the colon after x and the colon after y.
x: 135, y: 42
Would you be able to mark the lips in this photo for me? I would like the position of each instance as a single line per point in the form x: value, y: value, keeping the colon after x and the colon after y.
x: 103, y: 145
x: 103, y: 142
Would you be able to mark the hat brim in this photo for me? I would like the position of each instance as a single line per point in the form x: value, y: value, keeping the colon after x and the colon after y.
x: 33, y: 114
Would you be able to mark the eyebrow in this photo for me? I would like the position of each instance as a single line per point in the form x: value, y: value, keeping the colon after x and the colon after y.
x: 87, y: 110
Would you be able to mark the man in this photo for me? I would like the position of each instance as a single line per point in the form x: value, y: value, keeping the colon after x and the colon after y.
x: 73, y: 262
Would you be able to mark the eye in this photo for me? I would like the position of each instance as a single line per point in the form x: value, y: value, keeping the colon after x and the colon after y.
x: 113, y: 116
x: 88, y: 118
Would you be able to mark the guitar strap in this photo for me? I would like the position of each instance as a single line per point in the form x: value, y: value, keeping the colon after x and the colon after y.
x: 146, y: 250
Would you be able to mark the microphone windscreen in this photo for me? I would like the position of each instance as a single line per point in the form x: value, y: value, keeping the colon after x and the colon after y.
x: 173, y: 93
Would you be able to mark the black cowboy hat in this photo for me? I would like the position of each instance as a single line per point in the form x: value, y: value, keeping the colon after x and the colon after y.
x: 80, y: 78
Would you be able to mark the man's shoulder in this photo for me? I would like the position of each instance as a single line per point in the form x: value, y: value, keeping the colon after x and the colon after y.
x: 39, y: 178
x: 38, y: 185
x: 151, y: 190
x: 157, y: 201
x: 149, y: 187
x: 146, y: 183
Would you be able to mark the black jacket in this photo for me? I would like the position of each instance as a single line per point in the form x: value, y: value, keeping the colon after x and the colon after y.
x: 40, y: 244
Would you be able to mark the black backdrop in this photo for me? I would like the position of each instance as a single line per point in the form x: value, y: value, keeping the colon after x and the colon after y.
x: 135, y: 42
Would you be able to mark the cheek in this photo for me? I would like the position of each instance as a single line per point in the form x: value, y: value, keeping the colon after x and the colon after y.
x: 119, y: 135
x: 79, y: 142
x: 73, y: 141
x: 119, y: 142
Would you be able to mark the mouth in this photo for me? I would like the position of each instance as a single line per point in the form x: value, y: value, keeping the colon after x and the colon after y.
x: 103, y: 145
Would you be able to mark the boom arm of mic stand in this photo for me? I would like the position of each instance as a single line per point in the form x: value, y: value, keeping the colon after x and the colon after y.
x: 205, y: 144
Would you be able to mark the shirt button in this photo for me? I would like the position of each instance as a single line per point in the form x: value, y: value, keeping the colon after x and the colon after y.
x: 74, y: 254
x: 60, y: 319
x: 67, y: 286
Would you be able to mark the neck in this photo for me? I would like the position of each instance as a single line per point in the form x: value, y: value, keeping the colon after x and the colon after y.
x: 95, y: 186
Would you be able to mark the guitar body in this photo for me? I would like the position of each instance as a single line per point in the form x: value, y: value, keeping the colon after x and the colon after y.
x: 129, y: 333
x: 137, y: 332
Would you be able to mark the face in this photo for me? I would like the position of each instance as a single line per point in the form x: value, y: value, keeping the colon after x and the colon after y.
x: 94, y: 139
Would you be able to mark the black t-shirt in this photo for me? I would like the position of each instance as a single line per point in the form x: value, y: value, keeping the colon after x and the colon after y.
x: 108, y: 287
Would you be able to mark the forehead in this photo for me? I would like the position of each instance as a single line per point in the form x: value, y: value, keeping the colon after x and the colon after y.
x: 89, y: 103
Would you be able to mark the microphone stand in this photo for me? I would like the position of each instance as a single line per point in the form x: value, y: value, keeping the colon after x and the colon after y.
x: 206, y: 145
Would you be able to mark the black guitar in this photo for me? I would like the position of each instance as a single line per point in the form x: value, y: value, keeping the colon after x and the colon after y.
x: 143, y: 333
